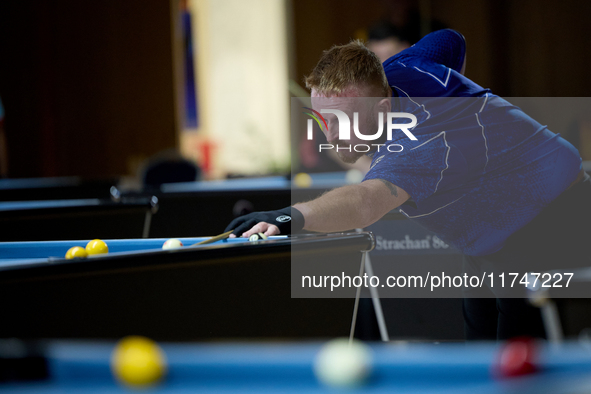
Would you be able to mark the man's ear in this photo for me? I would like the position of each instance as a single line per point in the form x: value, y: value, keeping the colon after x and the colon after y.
x: 384, y: 105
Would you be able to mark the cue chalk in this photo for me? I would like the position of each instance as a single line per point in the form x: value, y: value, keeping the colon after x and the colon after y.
x: 214, y: 239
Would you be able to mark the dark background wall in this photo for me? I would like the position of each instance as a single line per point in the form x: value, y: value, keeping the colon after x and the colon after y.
x: 515, y: 47
x: 88, y: 86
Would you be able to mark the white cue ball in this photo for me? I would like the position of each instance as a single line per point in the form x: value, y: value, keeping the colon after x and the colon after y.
x: 343, y: 364
x: 172, y: 244
x: 257, y: 237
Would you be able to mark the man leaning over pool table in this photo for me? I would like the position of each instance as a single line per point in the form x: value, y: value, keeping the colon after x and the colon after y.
x: 511, y: 191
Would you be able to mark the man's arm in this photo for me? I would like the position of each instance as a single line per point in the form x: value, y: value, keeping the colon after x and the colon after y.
x: 345, y: 208
x: 355, y: 206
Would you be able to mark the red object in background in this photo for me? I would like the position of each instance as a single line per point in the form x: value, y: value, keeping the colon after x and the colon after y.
x: 516, y: 357
x: 309, y: 157
x: 205, y: 149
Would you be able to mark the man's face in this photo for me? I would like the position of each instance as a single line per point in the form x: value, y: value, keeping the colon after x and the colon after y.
x: 349, y: 102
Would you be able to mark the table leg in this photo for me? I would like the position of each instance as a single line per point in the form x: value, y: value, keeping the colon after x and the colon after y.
x: 377, y: 305
x: 357, y: 296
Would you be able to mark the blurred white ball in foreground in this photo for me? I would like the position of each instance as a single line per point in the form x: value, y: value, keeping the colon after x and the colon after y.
x: 354, y: 176
x: 343, y: 364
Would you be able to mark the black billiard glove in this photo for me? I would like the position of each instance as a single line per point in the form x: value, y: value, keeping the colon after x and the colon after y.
x: 289, y: 220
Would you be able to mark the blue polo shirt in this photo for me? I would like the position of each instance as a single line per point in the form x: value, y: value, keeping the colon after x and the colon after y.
x: 481, y: 168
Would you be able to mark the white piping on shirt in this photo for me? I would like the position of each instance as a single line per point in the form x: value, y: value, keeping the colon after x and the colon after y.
x: 417, y: 104
x: 446, y: 155
x: 437, y: 79
x: 432, y: 212
x: 483, y: 135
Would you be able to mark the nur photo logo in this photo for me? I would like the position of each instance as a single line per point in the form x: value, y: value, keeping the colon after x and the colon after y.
x: 344, y: 129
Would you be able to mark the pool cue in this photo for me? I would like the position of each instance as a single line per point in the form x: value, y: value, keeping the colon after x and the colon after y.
x: 214, y: 239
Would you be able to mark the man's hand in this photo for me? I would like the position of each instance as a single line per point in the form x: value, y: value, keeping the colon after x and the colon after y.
x: 261, y: 227
x: 282, y: 221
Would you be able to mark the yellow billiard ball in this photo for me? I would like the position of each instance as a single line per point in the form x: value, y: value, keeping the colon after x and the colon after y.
x: 97, y: 246
x: 302, y: 180
x: 138, y: 361
x: 76, y: 252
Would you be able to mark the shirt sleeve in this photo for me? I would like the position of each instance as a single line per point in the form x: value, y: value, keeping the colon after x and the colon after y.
x: 431, y: 68
x: 416, y: 171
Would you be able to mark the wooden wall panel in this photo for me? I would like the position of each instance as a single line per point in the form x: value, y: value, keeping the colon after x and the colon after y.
x: 516, y: 48
x: 87, y: 85
x: 549, y: 48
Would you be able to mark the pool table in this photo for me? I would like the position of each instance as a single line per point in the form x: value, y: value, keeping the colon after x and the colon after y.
x: 187, y: 209
x: 83, y: 367
x: 181, y: 213
x: 76, y: 218
x: 229, y: 289
x: 55, y: 188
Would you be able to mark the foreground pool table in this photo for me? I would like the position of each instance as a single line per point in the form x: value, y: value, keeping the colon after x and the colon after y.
x: 83, y: 367
x: 229, y: 289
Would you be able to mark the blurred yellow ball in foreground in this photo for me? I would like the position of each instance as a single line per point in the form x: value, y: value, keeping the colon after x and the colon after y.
x: 138, y: 361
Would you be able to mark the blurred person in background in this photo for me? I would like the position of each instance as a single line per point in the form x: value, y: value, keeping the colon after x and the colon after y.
x: 386, y: 40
